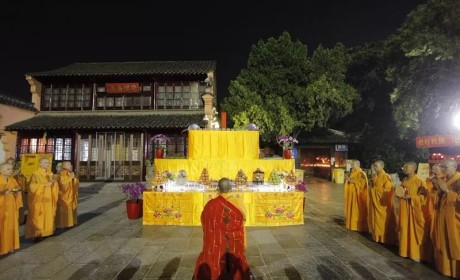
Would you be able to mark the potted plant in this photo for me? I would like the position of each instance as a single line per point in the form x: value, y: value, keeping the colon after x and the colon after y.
x: 160, y: 145
x: 134, y: 205
x: 287, y: 142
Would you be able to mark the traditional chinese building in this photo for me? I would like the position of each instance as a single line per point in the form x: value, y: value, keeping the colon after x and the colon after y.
x: 102, y: 116
x: 12, y: 110
x: 320, y: 154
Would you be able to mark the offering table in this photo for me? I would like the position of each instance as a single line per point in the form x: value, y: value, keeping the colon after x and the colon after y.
x: 184, y: 208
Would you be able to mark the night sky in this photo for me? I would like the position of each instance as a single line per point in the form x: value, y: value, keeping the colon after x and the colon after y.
x: 44, y: 35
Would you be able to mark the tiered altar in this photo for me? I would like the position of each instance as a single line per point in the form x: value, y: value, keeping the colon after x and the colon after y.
x: 223, y: 154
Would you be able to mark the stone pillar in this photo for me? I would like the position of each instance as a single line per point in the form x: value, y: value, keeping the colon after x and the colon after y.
x: 208, y: 107
x: 36, y: 90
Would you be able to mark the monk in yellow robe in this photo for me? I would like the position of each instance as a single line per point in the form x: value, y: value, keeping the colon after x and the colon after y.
x: 10, y: 202
x: 355, y: 194
x: 445, y: 231
x: 66, y: 215
x: 414, y: 232
x: 43, y: 195
x: 381, y: 217
x: 432, y: 190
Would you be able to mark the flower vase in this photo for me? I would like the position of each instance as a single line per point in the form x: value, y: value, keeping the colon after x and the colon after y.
x: 287, y: 154
x: 159, y: 153
x: 134, y: 209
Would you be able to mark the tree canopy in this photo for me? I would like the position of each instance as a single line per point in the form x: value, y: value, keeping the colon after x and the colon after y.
x: 426, y: 94
x: 284, y: 90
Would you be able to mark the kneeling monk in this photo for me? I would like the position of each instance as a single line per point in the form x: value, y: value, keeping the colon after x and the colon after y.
x: 223, y: 255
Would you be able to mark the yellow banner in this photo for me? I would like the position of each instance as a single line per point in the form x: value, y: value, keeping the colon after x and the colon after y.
x: 31, y: 162
x: 211, y: 144
x: 184, y: 208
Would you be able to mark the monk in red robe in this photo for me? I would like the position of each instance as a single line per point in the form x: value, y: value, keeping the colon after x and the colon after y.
x: 445, y: 231
x: 223, y: 255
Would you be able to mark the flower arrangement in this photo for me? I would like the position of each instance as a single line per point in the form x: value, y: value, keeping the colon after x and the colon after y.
x: 160, y: 140
x: 133, y: 190
x: 301, y: 186
x: 287, y: 142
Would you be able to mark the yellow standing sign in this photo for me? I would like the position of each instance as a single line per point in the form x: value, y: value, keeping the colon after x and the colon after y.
x: 423, y: 170
x: 31, y: 162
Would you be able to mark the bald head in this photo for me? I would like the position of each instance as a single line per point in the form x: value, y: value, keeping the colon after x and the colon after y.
x: 6, y: 169
x: 224, y: 185
x: 409, y: 168
x: 449, y: 166
x: 379, y: 165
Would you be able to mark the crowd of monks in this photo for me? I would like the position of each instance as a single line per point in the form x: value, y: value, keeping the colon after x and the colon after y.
x: 422, y: 217
x: 51, y: 199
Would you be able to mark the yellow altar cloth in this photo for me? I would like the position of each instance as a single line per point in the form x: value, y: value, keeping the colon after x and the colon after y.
x: 214, y: 144
x: 219, y: 168
x: 184, y: 208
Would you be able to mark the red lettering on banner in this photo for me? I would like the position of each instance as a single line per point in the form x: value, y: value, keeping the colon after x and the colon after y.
x: 122, y: 87
x: 437, y: 141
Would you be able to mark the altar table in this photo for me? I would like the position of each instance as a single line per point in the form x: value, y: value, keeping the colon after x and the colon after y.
x: 184, y: 208
x: 219, y: 168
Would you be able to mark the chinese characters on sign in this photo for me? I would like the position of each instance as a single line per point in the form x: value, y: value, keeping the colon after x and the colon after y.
x: 437, y: 141
x: 122, y: 87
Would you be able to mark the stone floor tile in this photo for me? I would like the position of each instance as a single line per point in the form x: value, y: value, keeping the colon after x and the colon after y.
x: 114, y: 247
x: 17, y: 272
x: 166, y: 266
x: 133, y: 272
x: 176, y: 244
x: 185, y: 273
x: 259, y: 272
x: 255, y: 261
x: 149, y: 255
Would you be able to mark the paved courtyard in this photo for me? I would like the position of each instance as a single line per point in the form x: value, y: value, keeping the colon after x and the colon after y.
x: 106, y: 245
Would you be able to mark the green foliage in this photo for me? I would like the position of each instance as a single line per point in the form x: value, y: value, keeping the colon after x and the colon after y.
x: 284, y: 91
x: 427, y: 78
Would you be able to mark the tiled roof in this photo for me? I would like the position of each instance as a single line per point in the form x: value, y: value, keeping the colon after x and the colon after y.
x: 8, y: 100
x: 127, y: 120
x: 130, y: 68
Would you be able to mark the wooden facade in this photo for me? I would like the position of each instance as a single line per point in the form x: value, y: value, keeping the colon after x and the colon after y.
x: 102, y: 117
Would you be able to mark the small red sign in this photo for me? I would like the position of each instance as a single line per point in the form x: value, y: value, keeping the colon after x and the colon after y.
x: 122, y: 87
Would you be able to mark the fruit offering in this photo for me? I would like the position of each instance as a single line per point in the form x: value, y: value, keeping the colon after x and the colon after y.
x: 291, y: 179
x: 159, y: 178
x: 274, y: 179
x: 241, y: 179
x: 204, y: 178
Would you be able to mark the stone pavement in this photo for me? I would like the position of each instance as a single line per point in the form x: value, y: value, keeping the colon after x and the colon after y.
x: 106, y: 245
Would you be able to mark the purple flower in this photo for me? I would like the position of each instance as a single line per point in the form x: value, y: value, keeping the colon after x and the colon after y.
x: 301, y: 186
x: 287, y: 142
x: 133, y: 190
x: 160, y: 138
